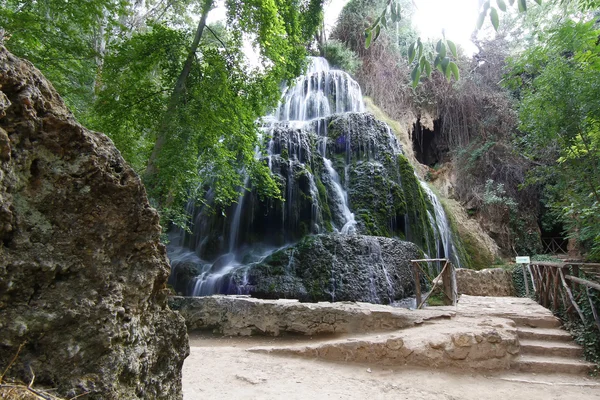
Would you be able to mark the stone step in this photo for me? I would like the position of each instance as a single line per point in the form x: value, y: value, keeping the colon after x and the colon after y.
x: 544, y: 334
x: 541, y: 364
x: 538, y: 321
x: 551, y: 348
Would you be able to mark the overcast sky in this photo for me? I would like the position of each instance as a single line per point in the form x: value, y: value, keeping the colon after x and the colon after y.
x: 457, y: 17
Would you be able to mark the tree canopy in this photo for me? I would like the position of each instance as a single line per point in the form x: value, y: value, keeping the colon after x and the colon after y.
x: 175, y: 94
x: 557, y: 81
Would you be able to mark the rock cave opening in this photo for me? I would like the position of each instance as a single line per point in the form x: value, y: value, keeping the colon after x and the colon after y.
x: 429, y: 146
x: 553, y: 235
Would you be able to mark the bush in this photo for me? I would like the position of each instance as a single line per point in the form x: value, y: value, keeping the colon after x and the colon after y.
x: 341, y: 57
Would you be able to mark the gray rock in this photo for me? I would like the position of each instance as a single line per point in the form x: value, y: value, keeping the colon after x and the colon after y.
x: 336, y: 267
x: 486, y: 282
x: 245, y: 316
x: 82, y: 272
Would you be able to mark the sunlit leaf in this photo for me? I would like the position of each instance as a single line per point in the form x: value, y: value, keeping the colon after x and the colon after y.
x: 501, y: 4
x: 441, y: 49
x: 444, y: 65
x: 522, y: 5
x: 480, y: 19
x: 452, y: 47
x: 411, y: 53
x: 427, y: 68
x: 494, y: 18
x: 369, y: 34
x: 415, y: 75
x: 454, y: 69
x: 539, y: 2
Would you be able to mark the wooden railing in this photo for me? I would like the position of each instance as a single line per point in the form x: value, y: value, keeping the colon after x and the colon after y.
x: 555, y: 245
x: 559, y: 285
x: 447, y: 275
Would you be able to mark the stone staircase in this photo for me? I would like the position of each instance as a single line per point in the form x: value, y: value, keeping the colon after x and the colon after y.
x: 546, y: 348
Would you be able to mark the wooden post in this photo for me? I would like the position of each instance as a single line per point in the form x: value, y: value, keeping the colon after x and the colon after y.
x: 532, y: 278
x: 594, y: 312
x: 525, y: 280
x: 417, y: 283
x: 574, y: 285
x: 574, y: 303
x: 556, y: 284
x: 447, y: 281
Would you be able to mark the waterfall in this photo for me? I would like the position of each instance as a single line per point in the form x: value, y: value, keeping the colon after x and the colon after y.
x: 318, y: 94
x: 319, y: 166
x: 443, y: 234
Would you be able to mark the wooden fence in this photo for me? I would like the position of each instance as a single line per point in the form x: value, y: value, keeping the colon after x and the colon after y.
x: 447, y: 275
x: 559, y: 285
x: 555, y: 245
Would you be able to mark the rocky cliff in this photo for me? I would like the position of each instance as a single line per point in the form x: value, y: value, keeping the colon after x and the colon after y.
x: 82, y: 272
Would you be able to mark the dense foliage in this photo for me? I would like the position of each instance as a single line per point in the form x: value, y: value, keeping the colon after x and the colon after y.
x: 176, y: 96
x: 557, y: 81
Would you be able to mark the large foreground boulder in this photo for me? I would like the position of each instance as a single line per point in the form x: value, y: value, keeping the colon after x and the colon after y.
x: 82, y: 272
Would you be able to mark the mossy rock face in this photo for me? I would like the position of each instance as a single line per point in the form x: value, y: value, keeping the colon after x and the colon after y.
x: 383, y: 192
x: 337, y: 267
x: 378, y: 200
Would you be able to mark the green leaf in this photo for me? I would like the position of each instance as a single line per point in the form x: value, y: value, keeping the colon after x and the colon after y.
x: 511, y: 2
x: 422, y: 62
x: 411, y: 53
x: 501, y: 5
x: 454, y: 69
x: 441, y: 48
x: 522, y: 5
x: 415, y: 75
x: 369, y: 35
x: 393, y: 13
x: 427, y: 68
x: 539, y: 2
x: 444, y: 65
x: 384, y: 21
x: 377, y: 32
x: 486, y: 5
x: 437, y: 61
x: 481, y: 18
x: 452, y: 47
x: 494, y: 18
x: 420, y: 48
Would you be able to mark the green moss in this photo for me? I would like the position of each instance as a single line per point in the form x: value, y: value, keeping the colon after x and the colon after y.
x: 276, y: 262
x: 417, y: 205
x: 436, y: 299
x: 325, y: 210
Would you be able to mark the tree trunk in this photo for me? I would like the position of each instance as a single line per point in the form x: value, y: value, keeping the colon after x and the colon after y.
x: 178, y: 90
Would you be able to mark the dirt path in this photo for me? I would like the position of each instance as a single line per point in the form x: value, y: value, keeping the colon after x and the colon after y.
x: 220, y: 368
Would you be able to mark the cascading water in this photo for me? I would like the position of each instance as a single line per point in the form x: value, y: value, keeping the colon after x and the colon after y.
x: 328, y: 157
x: 443, y: 234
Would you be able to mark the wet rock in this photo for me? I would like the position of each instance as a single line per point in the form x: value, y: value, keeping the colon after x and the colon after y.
x: 337, y: 267
x: 82, y: 272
